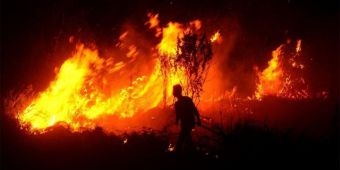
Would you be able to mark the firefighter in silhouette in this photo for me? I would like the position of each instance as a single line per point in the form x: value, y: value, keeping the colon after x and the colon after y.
x: 186, y: 112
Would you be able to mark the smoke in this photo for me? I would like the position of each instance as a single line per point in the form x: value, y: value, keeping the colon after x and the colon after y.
x: 219, y: 75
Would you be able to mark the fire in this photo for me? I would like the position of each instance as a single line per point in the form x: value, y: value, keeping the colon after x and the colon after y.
x: 167, y: 50
x: 154, y: 23
x: 153, y: 20
x: 76, y: 96
x: 64, y: 94
x: 91, y: 90
x: 216, y: 38
x: 270, y: 80
x: 88, y: 88
x: 168, y: 44
x: 283, y: 76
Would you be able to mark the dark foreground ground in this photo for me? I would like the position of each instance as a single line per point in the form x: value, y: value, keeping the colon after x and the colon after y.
x: 246, y: 146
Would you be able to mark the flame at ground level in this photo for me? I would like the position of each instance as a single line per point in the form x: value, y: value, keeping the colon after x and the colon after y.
x: 284, y: 76
x: 79, y: 96
x: 88, y: 92
x: 91, y: 91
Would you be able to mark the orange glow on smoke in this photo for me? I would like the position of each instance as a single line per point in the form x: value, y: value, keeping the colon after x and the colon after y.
x: 154, y: 23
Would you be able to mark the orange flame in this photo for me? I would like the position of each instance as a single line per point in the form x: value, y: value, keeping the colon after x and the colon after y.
x: 278, y: 79
x: 270, y: 80
x: 154, y: 23
x: 88, y: 88
x: 76, y: 98
x: 167, y: 49
x: 216, y: 38
x: 153, y: 20
x: 168, y: 44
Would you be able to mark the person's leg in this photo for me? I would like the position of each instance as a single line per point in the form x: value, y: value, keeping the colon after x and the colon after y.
x: 189, y: 145
x: 180, y: 141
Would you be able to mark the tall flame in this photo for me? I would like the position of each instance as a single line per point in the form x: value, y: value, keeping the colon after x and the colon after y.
x: 88, y: 88
x: 168, y: 44
x: 168, y: 51
x: 76, y: 98
x: 283, y: 77
x: 270, y: 80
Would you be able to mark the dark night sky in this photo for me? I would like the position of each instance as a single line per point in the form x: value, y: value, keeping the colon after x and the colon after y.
x: 32, y: 31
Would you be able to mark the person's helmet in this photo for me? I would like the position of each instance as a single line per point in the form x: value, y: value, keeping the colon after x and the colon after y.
x: 177, y: 90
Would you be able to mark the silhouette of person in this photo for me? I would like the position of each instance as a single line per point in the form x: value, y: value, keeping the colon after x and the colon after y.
x: 186, y: 112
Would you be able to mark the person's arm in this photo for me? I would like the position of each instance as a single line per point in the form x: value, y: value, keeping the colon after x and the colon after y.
x: 197, y: 114
x: 177, y: 114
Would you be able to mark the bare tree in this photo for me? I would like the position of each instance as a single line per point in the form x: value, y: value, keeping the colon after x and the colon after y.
x: 193, y: 54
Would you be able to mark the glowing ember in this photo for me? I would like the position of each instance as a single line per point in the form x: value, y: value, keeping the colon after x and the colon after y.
x: 216, y: 38
x: 154, y: 23
x: 171, y: 148
x: 153, y: 20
